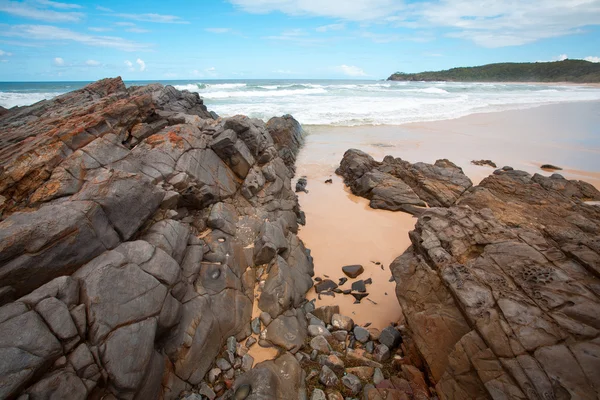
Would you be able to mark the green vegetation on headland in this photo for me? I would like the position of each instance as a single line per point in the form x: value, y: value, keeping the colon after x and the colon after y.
x: 578, y: 71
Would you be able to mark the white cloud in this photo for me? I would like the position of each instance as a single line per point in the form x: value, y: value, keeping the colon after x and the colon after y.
x: 488, y: 23
x: 593, y: 59
x: 158, y: 18
x: 350, y: 70
x: 62, y: 6
x: 357, y: 10
x: 141, y: 63
x: 129, y: 65
x: 218, y: 30
x: 51, y: 33
x: 137, y: 30
x: 92, y: 63
x: 99, y: 29
x: 562, y: 57
x: 59, y: 62
x: 5, y: 53
x: 26, y: 11
x: 105, y: 9
x: 330, y: 27
x: 298, y: 36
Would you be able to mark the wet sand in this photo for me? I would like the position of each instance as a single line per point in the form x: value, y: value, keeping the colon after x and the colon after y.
x: 341, y: 229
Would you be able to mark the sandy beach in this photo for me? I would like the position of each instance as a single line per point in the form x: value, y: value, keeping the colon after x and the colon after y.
x: 342, y: 229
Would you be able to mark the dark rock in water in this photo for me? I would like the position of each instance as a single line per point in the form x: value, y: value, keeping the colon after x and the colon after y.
x: 359, y: 296
x: 328, y: 293
x: 325, y: 285
x: 337, y: 290
x: 347, y: 291
x: 484, y: 162
x: 342, y: 281
x: 301, y: 185
x: 368, y: 281
x: 359, y: 286
x: 318, y: 279
x: 329, y: 181
x: 390, y: 337
x: 352, y: 271
x: 397, y: 185
x: 551, y: 167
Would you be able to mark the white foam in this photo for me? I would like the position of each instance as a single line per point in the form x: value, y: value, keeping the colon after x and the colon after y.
x: 10, y: 99
x: 247, y: 94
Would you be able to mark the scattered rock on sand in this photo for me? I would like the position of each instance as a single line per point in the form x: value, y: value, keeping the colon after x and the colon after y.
x: 325, y: 285
x: 301, y: 185
x: 550, y: 167
x: 352, y: 271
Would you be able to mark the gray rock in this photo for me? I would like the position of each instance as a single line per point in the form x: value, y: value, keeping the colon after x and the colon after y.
x: 333, y: 362
x: 318, y: 330
x: 381, y: 353
x: 234, y: 152
x: 206, y: 391
x: 288, y: 331
x: 359, y: 286
x: 361, y: 334
x: 342, y: 322
x: 327, y: 377
x: 223, y: 364
x: 352, y: 271
x: 320, y: 344
x: 255, y: 325
x: 352, y: 382
x: 223, y: 217
x: 265, y: 317
x: 318, y: 394
x: 247, y: 362
x: 370, y: 347
x: 340, y: 336
x: 390, y: 337
x: 232, y: 344
x: 214, y: 374
x: 378, y: 376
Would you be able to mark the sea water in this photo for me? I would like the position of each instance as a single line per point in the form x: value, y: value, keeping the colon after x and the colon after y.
x: 339, y: 102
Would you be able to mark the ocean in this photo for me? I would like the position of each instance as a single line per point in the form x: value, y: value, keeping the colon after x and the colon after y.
x: 340, y: 102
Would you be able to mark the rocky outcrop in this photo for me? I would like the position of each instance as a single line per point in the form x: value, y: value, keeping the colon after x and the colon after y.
x: 134, y: 229
x: 501, y: 290
x: 397, y: 185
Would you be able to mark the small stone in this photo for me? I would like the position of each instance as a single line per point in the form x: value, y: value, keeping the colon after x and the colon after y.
x: 247, y: 362
x: 309, y: 306
x: 250, y: 342
x: 342, y: 322
x: 359, y: 296
x: 255, y: 325
x: 230, y: 357
x: 352, y: 382
x: 242, y: 392
x: 359, y: 286
x: 368, y: 387
x: 361, y: 334
x: 206, y: 391
x: 300, y: 356
x: 241, y: 350
x: 313, y: 355
x: 320, y: 344
x: 301, y: 185
x: 370, y: 347
x: 377, y: 376
x: 218, y: 388
x: 352, y: 271
x: 368, y: 281
x: 318, y: 330
x: 374, y: 333
x: 315, y: 321
x: 328, y: 180
x: 318, y: 394
x: 214, y: 374
x: 381, y: 353
x: 340, y: 336
x: 223, y: 364
x: 390, y: 337
x: 333, y: 362
x: 231, y: 344
x: 325, y: 285
x: 312, y: 374
x: 327, y: 377
x: 364, y: 373
x: 342, y: 281
x: 237, y: 363
x: 265, y: 317
x: 334, y: 395
x: 228, y: 375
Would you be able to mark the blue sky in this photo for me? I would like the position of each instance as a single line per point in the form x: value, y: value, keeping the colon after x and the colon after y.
x: 44, y: 40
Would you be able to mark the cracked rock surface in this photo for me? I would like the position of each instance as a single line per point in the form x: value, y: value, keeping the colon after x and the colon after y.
x: 133, y: 222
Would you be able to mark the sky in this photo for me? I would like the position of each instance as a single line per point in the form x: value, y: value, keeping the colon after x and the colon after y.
x: 47, y: 40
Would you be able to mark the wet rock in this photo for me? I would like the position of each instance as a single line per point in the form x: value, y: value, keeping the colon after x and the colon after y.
x: 341, y: 322
x: 352, y: 271
x: 484, y: 162
x: 326, y: 312
x: 390, y: 337
x: 352, y: 383
x: 550, y: 167
x: 327, y: 377
x: 318, y: 330
x: 255, y: 326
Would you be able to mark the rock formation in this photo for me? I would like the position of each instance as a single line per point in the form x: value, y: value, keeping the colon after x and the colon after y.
x: 134, y: 224
x: 397, y: 185
x: 501, y: 291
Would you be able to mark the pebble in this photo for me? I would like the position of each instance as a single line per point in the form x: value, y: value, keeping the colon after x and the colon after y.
x: 320, y: 344
x: 361, y: 334
x: 223, y: 364
x: 390, y: 337
x: 327, y: 377
x: 352, y: 382
x: 342, y: 322
x: 381, y: 353
x: 318, y: 394
x: 377, y: 376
